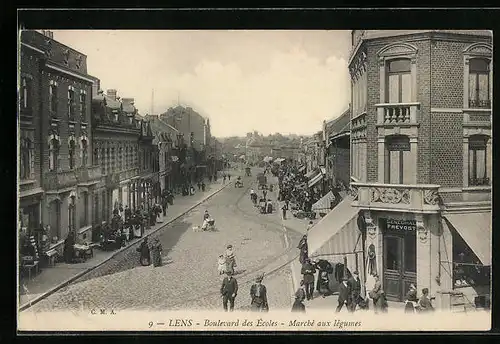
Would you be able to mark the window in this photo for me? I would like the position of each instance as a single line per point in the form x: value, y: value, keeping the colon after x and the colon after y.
x: 85, y: 214
x: 97, y: 218
x: 71, y: 154
x: 96, y: 156
x: 113, y: 161
x: 71, y: 104
x: 397, y: 165
x: 103, y: 161
x: 479, y: 83
x: 478, y: 160
x: 120, y: 159
x: 25, y: 93
x: 84, y: 152
x: 71, y: 212
x: 83, y: 106
x: 26, y: 157
x: 53, y: 155
x: 467, y: 268
x: 53, y: 98
x: 398, y: 81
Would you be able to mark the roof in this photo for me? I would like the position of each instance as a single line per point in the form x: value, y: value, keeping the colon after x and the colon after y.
x: 112, y: 103
x: 128, y: 105
x: 341, y: 124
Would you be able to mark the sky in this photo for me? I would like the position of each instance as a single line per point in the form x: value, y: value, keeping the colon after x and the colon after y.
x: 269, y: 81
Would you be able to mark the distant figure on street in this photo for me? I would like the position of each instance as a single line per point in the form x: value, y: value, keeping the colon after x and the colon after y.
x: 298, y: 305
x: 304, y: 249
x: 229, y: 290
x: 128, y: 213
x: 210, y: 178
x: 145, y: 258
x: 223, y: 179
x: 425, y: 302
x: 309, y: 226
x: 229, y: 177
x: 344, y: 293
x: 284, y: 209
x: 258, y: 295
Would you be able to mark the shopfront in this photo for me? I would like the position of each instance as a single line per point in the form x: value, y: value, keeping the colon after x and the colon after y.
x: 399, y: 256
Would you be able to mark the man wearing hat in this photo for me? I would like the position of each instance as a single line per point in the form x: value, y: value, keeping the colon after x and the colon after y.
x: 229, y: 290
x: 258, y: 294
x: 355, y: 286
x: 308, y: 271
x: 344, y: 292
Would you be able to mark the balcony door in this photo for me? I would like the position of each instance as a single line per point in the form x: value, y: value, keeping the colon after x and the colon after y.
x: 400, y: 264
x: 398, y: 165
x: 398, y: 81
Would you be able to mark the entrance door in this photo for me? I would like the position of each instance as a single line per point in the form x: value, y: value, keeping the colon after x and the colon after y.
x: 400, y: 268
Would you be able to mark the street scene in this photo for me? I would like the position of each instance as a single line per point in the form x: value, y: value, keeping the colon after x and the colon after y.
x: 346, y: 171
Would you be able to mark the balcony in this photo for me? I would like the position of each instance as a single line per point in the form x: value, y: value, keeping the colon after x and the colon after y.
x: 420, y: 198
x: 479, y: 104
x: 59, y: 180
x: 127, y: 174
x: 88, y: 174
x: 397, y: 114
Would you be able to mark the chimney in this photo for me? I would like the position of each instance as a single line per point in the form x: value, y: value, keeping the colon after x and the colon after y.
x: 96, y: 86
x: 111, y: 94
x: 48, y: 33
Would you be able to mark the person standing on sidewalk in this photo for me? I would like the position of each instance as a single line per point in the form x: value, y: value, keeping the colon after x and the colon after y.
x: 355, y: 285
x: 298, y: 305
x: 307, y: 272
x: 284, y: 209
x: 229, y: 177
x: 223, y: 179
x: 229, y: 290
x: 304, y: 249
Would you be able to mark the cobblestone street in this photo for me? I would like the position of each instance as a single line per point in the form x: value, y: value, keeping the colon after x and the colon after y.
x: 189, y: 277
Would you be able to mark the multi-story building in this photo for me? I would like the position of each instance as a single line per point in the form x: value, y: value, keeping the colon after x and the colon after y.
x: 337, y: 146
x: 56, y: 165
x: 148, y: 165
x: 116, y: 136
x: 420, y: 204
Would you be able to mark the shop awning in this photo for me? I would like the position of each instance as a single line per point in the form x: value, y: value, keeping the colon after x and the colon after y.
x: 302, y: 169
x: 311, y: 174
x: 475, y: 229
x: 324, y: 202
x: 315, y: 180
x: 337, y: 232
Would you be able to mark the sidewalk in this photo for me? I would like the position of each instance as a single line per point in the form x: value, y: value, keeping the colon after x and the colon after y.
x: 51, y: 279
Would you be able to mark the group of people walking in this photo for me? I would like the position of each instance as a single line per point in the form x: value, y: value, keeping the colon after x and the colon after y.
x: 258, y: 293
x: 151, y: 254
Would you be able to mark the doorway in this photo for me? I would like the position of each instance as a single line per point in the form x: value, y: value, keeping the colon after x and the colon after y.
x: 400, y: 265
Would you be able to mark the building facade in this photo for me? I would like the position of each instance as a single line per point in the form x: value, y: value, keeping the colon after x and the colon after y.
x: 337, y: 146
x: 421, y: 144
x: 56, y: 162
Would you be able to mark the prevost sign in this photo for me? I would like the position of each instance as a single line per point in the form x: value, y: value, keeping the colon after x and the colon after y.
x: 401, y: 225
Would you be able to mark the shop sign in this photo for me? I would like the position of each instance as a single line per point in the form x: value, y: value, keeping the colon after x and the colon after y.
x: 401, y: 225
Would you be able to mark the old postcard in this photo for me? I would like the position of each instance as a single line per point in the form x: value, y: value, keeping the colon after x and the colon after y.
x: 254, y: 180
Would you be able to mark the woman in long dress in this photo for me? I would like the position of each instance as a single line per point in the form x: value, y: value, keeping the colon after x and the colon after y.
x: 156, y: 251
x: 145, y: 253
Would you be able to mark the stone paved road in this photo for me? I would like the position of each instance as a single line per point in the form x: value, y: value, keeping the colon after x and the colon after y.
x: 189, y: 278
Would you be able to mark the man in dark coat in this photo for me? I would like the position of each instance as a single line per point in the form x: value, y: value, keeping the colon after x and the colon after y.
x: 229, y: 290
x: 307, y: 272
x: 355, y: 286
x: 344, y: 292
x: 298, y: 305
x: 304, y: 249
x: 128, y: 213
x: 323, y: 283
x: 258, y: 295
x: 145, y: 257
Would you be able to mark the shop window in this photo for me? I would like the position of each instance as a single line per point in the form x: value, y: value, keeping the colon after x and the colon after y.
x: 479, y: 83
x: 26, y: 158
x: 398, y: 81
x: 84, y: 152
x: 54, y: 155
x: 53, y: 98
x: 71, y: 154
x: 467, y: 268
x: 54, y: 218
x: 85, y: 213
x: 397, y: 160
x: 478, y: 160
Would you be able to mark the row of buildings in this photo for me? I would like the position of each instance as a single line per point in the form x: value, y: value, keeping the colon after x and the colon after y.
x: 414, y: 149
x: 83, y: 152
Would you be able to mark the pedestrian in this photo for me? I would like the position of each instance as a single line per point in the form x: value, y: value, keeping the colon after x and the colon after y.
x: 284, y: 209
x: 128, y: 213
x: 264, y: 192
x: 223, y: 179
x: 307, y: 272
x: 203, y: 186
x: 199, y: 186
x: 229, y: 176
x: 304, y: 250
x: 298, y: 305
x: 229, y: 290
x: 344, y: 293
x: 309, y: 226
x: 157, y: 249
x: 258, y: 295
x: 210, y: 178
x: 355, y: 289
x: 378, y: 296
x: 145, y: 257
x: 425, y: 302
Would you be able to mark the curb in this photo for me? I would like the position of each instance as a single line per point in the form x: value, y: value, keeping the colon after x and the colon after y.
x: 77, y: 276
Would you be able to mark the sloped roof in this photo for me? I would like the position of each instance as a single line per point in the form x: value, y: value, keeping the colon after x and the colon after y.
x: 112, y: 103
x: 341, y: 124
x: 127, y: 105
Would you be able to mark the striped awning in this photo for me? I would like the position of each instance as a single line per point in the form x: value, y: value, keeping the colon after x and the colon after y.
x: 476, y: 230
x: 302, y: 169
x: 324, y: 202
x: 315, y: 180
x: 311, y: 174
